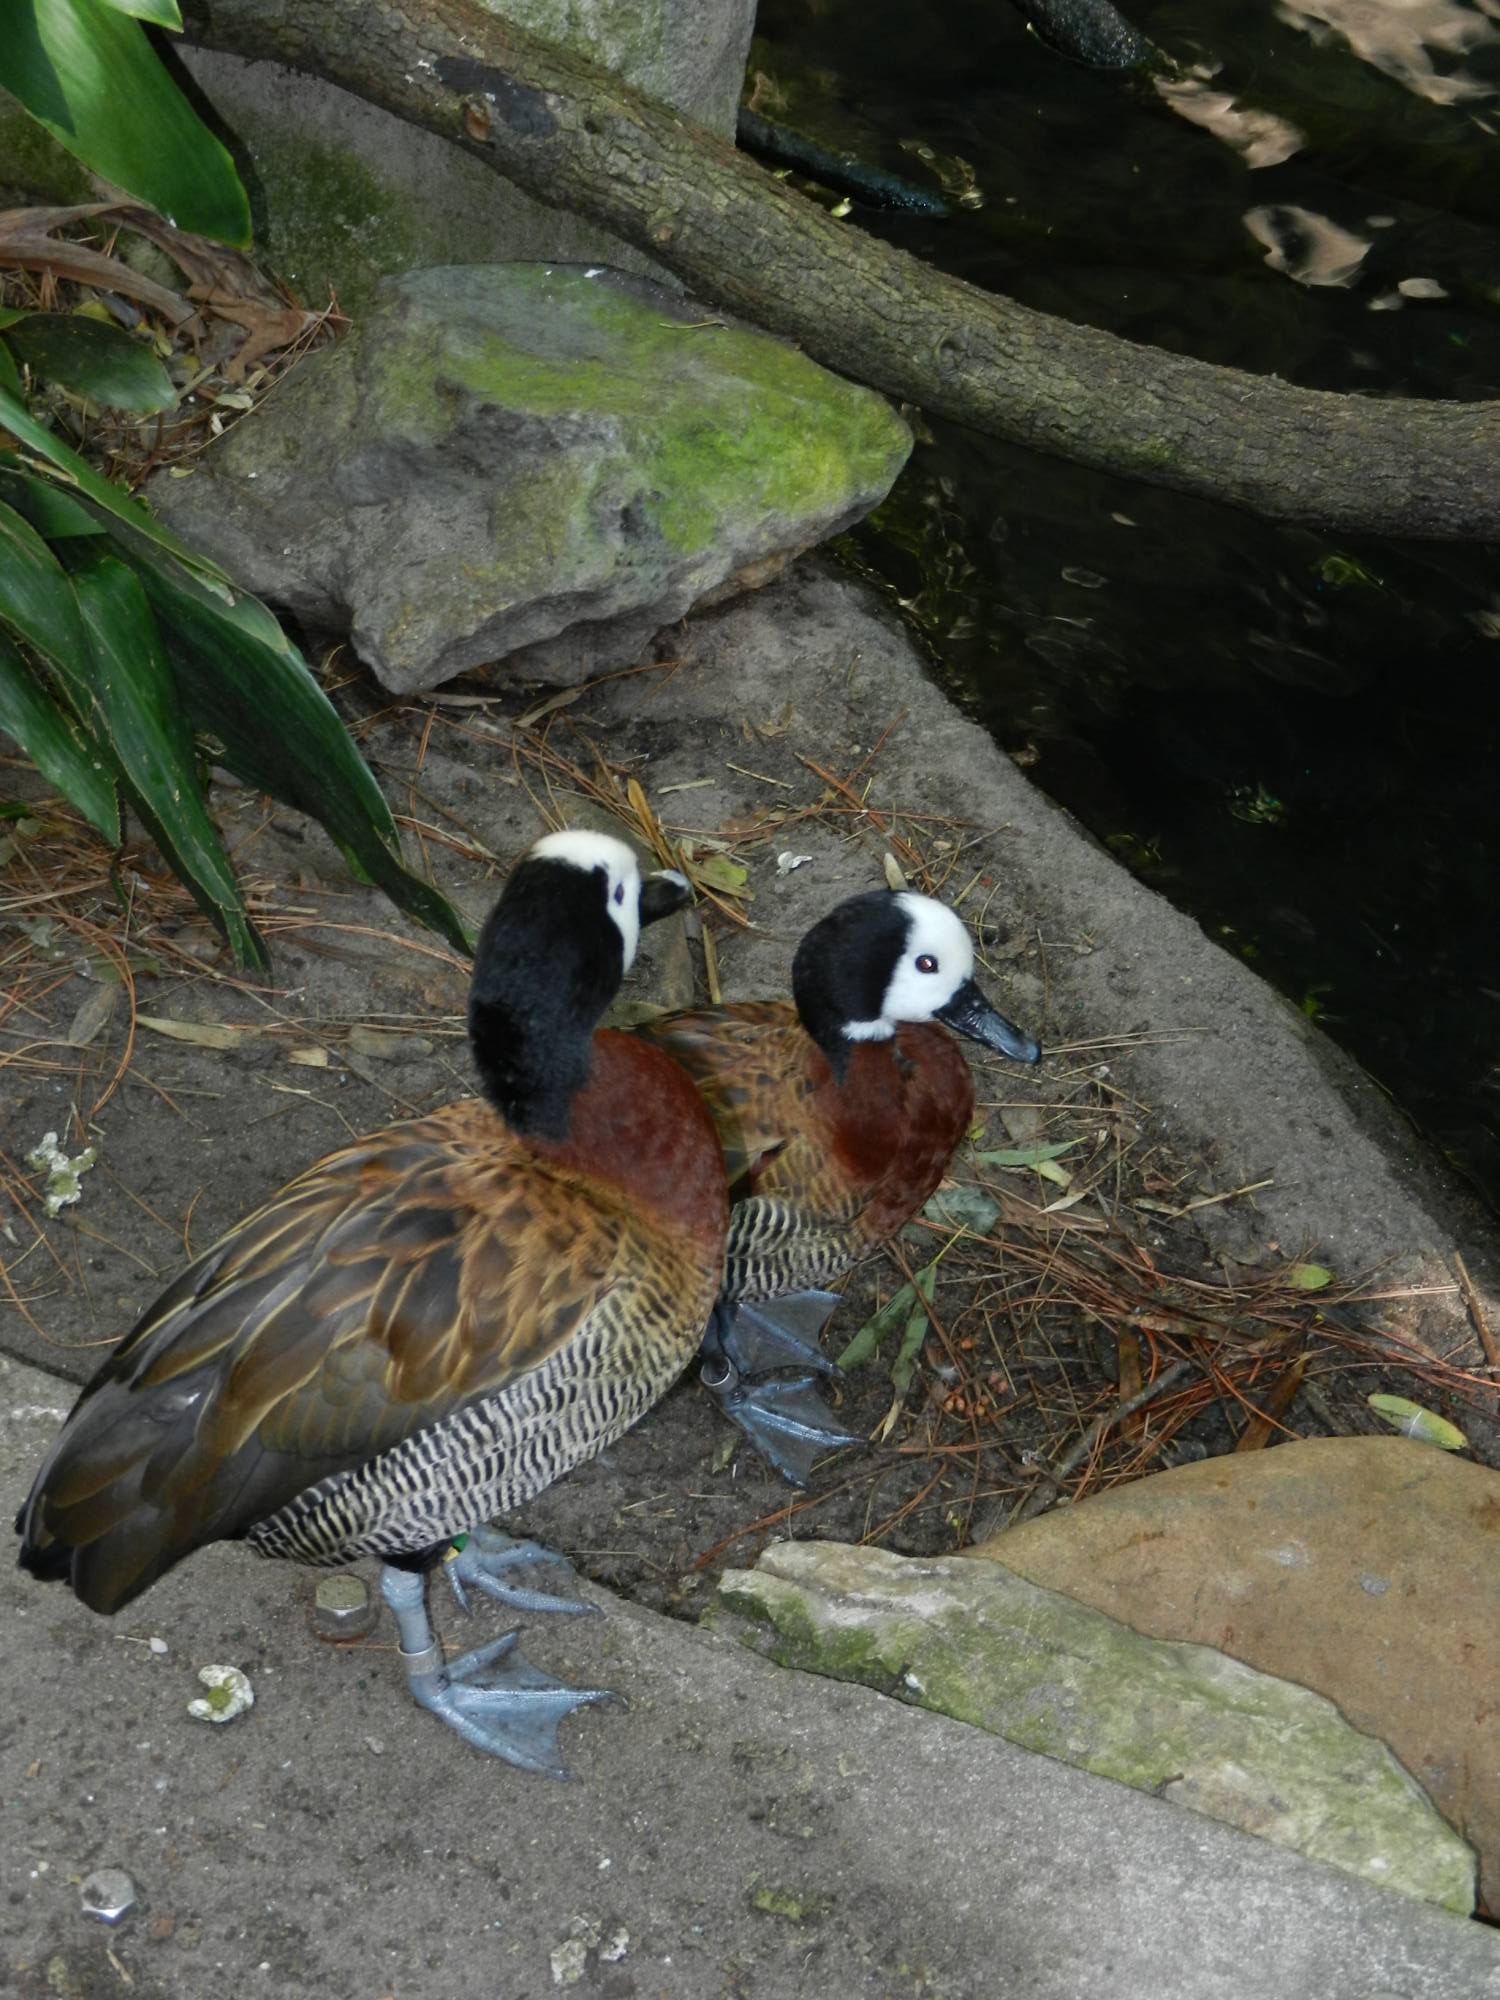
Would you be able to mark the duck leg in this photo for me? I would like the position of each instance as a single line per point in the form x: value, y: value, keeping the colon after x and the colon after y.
x: 784, y: 1416
x: 514, y: 1712
x: 488, y: 1556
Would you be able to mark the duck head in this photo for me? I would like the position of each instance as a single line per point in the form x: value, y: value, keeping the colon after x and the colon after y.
x: 891, y: 957
x: 549, y: 962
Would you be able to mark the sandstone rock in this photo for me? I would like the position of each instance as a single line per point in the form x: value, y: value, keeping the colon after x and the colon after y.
x: 497, y: 456
x: 1182, y: 1722
x: 1367, y: 1568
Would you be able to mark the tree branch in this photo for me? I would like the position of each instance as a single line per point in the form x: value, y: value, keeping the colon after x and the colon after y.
x: 575, y: 136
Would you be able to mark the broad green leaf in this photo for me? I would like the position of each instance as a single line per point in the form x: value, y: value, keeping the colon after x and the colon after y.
x: 141, y: 713
x: 244, y: 683
x: 54, y: 515
x: 1309, y: 1277
x: 93, y: 359
x: 88, y: 73
x: 10, y: 375
x: 56, y: 744
x: 160, y: 13
x: 720, y: 871
x: 963, y: 1208
x: 38, y: 605
x: 86, y: 483
x: 1026, y: 1156
x: 904, y: 1365
x: 1414, y: 1422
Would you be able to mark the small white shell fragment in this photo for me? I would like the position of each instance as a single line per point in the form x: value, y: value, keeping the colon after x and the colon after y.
x: 229, y: 1694
x: 787, y: 864
x: 1421, y: 288
x: 158, y: 1646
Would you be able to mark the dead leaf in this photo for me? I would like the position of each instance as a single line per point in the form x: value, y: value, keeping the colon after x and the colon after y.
x: 312, y: 1058
x: 203, y: 1034
x: 92, y: 1017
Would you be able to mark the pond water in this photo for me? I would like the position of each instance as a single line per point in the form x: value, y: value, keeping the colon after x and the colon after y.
x: 1293, y: 737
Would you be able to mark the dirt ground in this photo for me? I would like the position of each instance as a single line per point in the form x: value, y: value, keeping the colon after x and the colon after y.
x: 1219, y: 1155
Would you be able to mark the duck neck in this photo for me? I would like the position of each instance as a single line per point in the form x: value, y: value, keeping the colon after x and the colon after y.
x: 531, y: 1064
x: 547, y: 966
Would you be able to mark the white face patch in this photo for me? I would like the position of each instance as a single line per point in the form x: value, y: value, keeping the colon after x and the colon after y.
x: 936, y: 960
x: 588, y: 851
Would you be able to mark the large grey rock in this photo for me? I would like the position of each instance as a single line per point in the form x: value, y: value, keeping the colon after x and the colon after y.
x: 499, y: 456
x: 1182, y: 1722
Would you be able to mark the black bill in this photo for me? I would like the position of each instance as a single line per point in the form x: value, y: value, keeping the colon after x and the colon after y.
x: 664, y: 893
x: 972, y: 1015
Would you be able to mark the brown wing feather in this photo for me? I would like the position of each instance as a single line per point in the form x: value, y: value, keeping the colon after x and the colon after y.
x: 749, y: 1064
x: 392, y: 1283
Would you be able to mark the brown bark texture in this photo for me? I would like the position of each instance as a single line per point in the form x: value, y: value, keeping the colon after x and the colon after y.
x: 574, y: 135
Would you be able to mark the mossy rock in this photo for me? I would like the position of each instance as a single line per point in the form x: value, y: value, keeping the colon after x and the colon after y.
x: 537, y: 462
x: 1182, y: 1722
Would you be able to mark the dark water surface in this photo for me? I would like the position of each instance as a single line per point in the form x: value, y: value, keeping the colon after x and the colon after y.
x: 1295, y: 738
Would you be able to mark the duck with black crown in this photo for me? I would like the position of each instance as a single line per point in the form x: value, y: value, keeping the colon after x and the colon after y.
x: 838, y: 1115
x: 428, y: 1327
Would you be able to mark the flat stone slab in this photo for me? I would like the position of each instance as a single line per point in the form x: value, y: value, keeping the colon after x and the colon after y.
x: 740, y: 1830
x: 1184, y: 1723
x: 1367, y: 1568
x: 539, y: 463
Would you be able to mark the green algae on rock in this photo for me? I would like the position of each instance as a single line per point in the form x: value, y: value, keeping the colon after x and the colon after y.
x: 547, y: 460
x: 1185, y: 1723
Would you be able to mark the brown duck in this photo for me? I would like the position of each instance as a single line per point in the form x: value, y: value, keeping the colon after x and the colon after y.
x: 838, y: 1116
x: 431, y: 1325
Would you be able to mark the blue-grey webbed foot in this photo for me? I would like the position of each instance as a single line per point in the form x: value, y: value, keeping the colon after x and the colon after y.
x: 487, y: 1561
x: 513, y: 1712
x: 772, y: 1333
x: 784, y: 1417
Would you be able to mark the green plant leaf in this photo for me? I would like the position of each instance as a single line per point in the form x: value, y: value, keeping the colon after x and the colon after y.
x: 879, y: 1327
x: 1414, y: 1422
x: 93, y: 359
x: 1309, y: 1277
x: 142, y: 718
x: 904, y: 1365
x: 1026, y: 1156
x: 48, y: 508
x: 37, y: 603
x: 10, y: 375
x: 245, y: 683
x: 88, y: 73
x: 160, y: 13
x: 56, y: 744
x: 963, y: 1208
x: 82, y: 479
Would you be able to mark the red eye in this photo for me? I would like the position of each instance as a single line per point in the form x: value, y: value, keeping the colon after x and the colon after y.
x: 927, y: 963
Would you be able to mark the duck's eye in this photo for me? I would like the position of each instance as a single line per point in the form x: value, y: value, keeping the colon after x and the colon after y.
x: 619, y: 892
x: 927, y: 963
